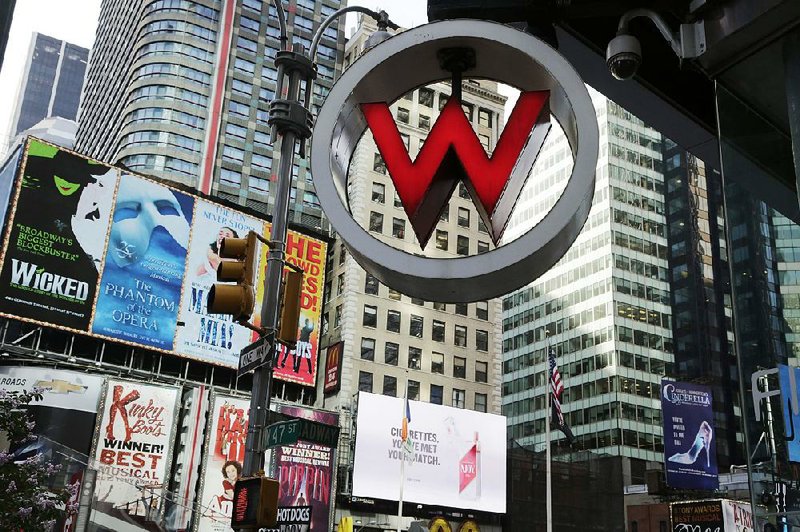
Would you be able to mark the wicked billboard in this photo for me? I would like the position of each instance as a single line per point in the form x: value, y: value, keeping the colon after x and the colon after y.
x: 93, y: 249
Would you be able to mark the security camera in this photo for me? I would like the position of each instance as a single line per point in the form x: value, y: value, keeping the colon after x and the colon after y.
x: 623, y: 56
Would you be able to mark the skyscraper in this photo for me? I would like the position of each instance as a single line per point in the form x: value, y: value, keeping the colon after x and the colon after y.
x: 181, y: 90
x: 604, y: 308
x: 393, y: 344
x: 51, y: 82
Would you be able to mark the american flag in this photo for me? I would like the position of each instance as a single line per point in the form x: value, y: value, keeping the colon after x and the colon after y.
x: 557, y: 388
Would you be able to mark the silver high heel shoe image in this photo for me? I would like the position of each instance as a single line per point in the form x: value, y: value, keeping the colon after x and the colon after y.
x: 701, y: 441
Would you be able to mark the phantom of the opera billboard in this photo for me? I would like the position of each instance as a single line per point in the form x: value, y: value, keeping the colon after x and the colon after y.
x: 97, y: 250
x: 453, y: 456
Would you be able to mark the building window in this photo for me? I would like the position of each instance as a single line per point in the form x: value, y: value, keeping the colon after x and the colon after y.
x: 443, y: 100
x: 416, y: 326
x: 484, y: 141
x: 370, y: 316
x: 376, y: 222
x: 337, y: 317
x: 413, y: 390
x: 393, y: 321
x: 437, y: 394
x: 378, y: 165
x: 397, y: 203
x: 481, y: 371
x: 437, y: 331
x: 368, y: 349
x: 440, y: 306
x: 402, y: 115
x: 424, y: 122
x: 414, y: 358
x: 482, y: 310
x: 444, y: 216
x: 484, y: 117
x: 460, y: 338
x: 426, y: 97
x: 340, y: 284
x: 390, y: 385
x: 378, y: 192
x: 417, y: 301
x: 480, y: 402
x: 483, y: 247
x: 364, y: 381
x: 371, y: 285
x: 390, y: 353
x: 482, y: 226
x: 461, y: 309
x: 441, y: 240
x: 463, y: 217
x: 463, y: 193
x: 459, y: 398
x: 481, y: 340
x: 398, y: 228
x: 462, y: 245
x: 437, y: 363
x: 459, y: 367
x: 394, y: 295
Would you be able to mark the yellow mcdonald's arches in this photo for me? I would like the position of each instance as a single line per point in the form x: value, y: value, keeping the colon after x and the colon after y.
x: 346, y: 524
x: 469, y: 526
x: 439, y: 524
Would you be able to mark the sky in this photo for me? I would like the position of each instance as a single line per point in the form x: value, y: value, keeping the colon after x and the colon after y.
x: 76, y: 21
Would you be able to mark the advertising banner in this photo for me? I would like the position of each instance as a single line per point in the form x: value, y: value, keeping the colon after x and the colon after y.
x: 295, y: 519
x: 791, y: 419
x: 211, y: 337
x: 738, y: 516
x: 222, y: 466
x: 697, y: 515
x: 54, y: 248
x: 306, y: 470
x: 690, y: 455
x: 105, y: 252
x: 333, y: 367
x: 134, y: 446
x: 68, y: 410
x: 446, y: 450
x: 300, y: 365
x: 141, y: 285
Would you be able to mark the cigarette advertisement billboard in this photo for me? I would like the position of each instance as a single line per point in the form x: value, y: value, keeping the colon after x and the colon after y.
x: 133, y: 449
x: 450, y: 457
x: 96, y: 250
x: 690, y: 451
x: 222, y: 466
x: 306, y: 471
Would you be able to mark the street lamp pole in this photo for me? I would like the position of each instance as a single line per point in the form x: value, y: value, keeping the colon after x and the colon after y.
x: 291, y: 120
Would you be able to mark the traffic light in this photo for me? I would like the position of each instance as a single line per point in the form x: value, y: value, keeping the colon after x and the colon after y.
x: 237, y: 300
x: 255, y: 503
x: 290, y: 306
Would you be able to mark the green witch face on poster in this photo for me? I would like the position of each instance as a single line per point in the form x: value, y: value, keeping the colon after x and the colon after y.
x: 63, y: 209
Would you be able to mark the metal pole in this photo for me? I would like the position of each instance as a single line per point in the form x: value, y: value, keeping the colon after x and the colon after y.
x: 548, y: 471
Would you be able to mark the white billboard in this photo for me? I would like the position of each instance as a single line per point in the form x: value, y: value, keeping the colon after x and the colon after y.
x: 456, y: 458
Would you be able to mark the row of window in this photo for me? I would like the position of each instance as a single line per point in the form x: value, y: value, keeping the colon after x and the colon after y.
x: 168, y: 92
x: 183, y: 6
x: 458, y: 398
x: 172, y: 69
x: 175, y: 48
x: 162, y: 138
x: 427, y: 96
x: 161, y: 114
x: 549, y: 307
x: 417, y: 325
x: 149, y: 163
x: 596, y: 440
x: 179, y: 26
x: 391, y: 356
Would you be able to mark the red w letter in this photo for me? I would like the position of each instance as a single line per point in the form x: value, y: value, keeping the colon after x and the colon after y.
x: 451, y: 152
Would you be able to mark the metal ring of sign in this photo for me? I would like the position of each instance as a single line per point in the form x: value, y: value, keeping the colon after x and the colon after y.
x: 407, y: 61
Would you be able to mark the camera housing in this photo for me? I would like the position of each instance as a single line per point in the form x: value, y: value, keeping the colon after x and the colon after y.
x: 623, y: 56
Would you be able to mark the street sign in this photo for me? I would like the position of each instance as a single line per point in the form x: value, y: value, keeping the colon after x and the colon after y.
x: 310, y: 431
x: 284, y: 433
x: 256, y: 354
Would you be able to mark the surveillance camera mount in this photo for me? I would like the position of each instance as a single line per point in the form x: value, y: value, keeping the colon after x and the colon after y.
x: 687, y: 43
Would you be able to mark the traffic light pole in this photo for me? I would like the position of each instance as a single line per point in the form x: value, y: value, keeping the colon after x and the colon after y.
x: 291, y: 121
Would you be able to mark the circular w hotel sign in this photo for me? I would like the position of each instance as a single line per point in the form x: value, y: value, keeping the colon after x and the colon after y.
x: 549, y: 87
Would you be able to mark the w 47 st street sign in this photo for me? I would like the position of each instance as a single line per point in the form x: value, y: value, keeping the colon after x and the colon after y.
x: 289, y: 432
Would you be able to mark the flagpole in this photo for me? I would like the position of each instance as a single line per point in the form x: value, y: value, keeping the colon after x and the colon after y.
x: 548, y: 472
x: 402, y: 463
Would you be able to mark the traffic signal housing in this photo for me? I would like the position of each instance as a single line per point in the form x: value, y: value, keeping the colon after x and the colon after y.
x: 255, y: 503
x: 290, y: 306
x: 237, y: 300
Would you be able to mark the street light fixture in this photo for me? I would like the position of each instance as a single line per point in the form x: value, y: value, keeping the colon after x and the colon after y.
x: 291, y: 121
